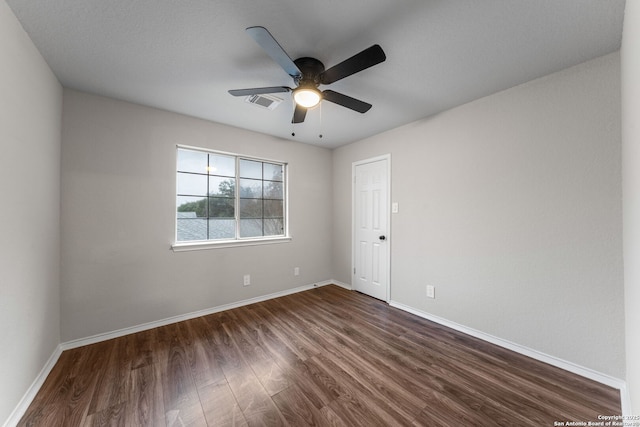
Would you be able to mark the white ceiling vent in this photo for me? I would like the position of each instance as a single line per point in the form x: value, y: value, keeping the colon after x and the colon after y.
x: 265, y: 101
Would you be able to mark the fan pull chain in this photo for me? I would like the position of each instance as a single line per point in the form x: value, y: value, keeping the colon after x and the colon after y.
x: 320, y: 108
x: 293, y: 102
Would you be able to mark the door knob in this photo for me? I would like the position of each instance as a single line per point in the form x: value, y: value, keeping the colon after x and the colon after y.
x: 383, y: 237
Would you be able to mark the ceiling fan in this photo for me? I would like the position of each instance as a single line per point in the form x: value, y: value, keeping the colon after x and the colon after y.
x: 309, y: 73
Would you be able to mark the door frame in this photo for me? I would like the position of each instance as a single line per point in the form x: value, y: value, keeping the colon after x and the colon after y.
x: 387, y: 206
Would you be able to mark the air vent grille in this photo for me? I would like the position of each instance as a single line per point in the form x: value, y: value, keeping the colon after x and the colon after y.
x: 269, y: 102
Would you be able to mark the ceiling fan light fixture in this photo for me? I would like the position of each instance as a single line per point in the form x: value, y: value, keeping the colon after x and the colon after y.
x: 307, y: 97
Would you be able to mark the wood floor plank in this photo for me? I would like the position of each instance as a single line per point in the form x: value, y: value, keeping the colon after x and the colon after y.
x: 300, y: 346
x: 145, y: 406
x: 220, y: 406
x: 222, y: 346
x: 354, y: 413
x: 180, y: 397
x: 42, y: 415
x: 142, y: 345
x: 205, y: 365
x: 113, y: 416
x: 254, y: 401
x: 280, y: 351
x: 72, y: 363
x: 297, y: 409
x: 367, y: 394
x: 70, y: 411
x: 333, y: 419
x: 320, y: 388
x: 324, y: 357
x: 112, y: 383
x: 265, y: 368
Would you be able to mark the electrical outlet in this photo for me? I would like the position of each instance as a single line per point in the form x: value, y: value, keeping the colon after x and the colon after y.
x: 247, y: 279
x: 431, y: 291
x: 296, y: 271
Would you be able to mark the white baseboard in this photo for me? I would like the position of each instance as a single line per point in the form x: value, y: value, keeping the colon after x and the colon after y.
x: 341, y: 284
x: 169, y: 320
x: 534, y: 354
x: 33, y: 389
x: 625, y: 401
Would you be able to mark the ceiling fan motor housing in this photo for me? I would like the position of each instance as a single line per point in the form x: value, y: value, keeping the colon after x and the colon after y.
x: 311, y: 69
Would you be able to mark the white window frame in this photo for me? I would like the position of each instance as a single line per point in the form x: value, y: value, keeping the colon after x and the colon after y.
x: 194, y: 245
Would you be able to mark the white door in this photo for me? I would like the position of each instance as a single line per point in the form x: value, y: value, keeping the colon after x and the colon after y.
x: 371, y: 227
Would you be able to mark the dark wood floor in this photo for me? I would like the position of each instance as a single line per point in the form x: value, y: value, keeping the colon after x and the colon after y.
x: 326, y: 357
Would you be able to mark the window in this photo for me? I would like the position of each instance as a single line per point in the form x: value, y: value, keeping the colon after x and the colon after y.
x: 222, y: 197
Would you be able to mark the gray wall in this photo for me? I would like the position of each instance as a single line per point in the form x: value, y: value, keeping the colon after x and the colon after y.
x: 630, y: 58
x: 30, y: 115
x: 118, y: 204
x: 511, y: 207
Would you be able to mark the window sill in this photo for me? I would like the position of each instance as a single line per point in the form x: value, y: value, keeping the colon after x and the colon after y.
x: 200, y: 246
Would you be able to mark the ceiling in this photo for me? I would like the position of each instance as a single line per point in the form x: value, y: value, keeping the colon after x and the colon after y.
x: 183, y: 56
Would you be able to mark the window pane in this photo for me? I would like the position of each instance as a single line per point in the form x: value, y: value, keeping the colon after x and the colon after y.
x: 221, y: 207
x: 191, y: 207
x: 250, y: 189
x: 272, y: 172
x: 273, y: 209
x: 219, y: 186
x: 222, y: 165
x: 274, y: 227
x: 273, y: 190
x: 222, y: 229
x: 192, y: 161
x: 250, y: 227
x: 192, y: 229
x: 250, y: 208
x: 191, y: 185
x: 225, y: 197
x: 250, y: 169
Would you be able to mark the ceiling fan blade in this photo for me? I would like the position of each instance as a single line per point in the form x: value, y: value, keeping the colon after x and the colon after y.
x: 299, y: 114
x: 358, y: 62
x: 259, y: 90
x: 266, y: 41
x: 346, y: 101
